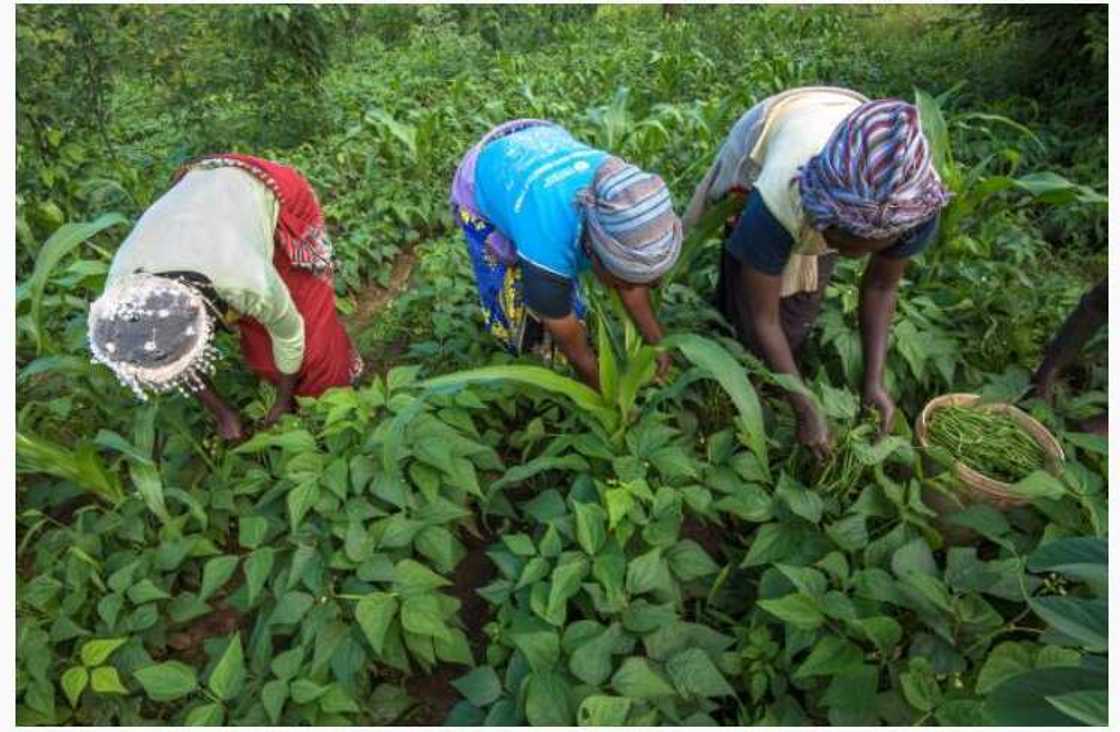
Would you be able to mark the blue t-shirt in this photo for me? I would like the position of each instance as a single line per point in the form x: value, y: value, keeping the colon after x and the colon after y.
x: 763, y: 244
x: 526, y: 185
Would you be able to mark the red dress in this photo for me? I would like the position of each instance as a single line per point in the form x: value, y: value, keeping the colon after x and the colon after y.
x: 302, y: 257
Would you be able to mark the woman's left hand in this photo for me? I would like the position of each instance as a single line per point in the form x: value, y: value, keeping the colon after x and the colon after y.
x: 279, y: 408
x: 877, y: 398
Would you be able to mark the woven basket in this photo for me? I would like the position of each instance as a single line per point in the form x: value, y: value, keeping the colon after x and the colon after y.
x: 977, y: 487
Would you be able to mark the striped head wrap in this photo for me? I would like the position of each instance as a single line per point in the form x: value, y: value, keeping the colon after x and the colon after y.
x: 630, y: 220
x: 154, y: 333
x: 874, y: 178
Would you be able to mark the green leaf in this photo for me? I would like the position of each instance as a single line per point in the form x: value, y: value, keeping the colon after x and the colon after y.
x: 1005, y: 661
x: 647, y: 573
x: 104, y: 680
x: 1087, y: 707
x: 849, y: 533
x: 748, y: 502
x: 97, y: 652
x: 608, y: 364
x: 1080, y: 558
x: 636, y: 679
x: 74, y: 683
x: 286, y: 665
x: 883, y: 631
x: 521, y: 473
x: 273, y: 696
x: 57, y: 246
x: 480, y: 687
x: 689, y: 561
x: 291, y: 608
x: 215, y: 574
x: 537, y: 641
x: 830, y: 656
x: 797, y: 609
x: 590, y: 527
x: 167, y: 681
x: 1023, y: 700
x: 722, y: 366
x: 337, y: 701
x: 229, y: 673
x: 694, y: 675
x: 914, y: 557
x: 300, y: 500
x: 410, y: 577
x: 1083, y: 620
x: 420, y: 614
x: 1039, y: 484
x: 919, y: 685
x: 771, y: 543
x: 853, y: 691
x: 258, y: 567
x: 520, y: 544
x: 374, y: 612
x: 565, y: 584
x: 535, y: 376
x: 984, y: 520
x: 206, y: 715
x: 455, y: 648
x: 547, y: 700
x: 305, y: 691
x: 808, y: 581
x: 801, y: 501
x: 251, y: 531
x: 145, y: 591
x: 599, y: 710
x: 591, y: 661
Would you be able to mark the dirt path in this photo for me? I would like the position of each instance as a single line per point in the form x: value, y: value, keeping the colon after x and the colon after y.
x: 374, y: 298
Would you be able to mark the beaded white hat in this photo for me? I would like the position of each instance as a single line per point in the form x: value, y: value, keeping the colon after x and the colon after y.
x: 154, y: 332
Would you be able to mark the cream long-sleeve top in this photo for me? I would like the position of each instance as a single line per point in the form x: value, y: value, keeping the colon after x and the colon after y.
x: 220, y: 223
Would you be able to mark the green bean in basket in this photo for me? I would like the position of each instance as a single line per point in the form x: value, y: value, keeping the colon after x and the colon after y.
x: 989, y: 442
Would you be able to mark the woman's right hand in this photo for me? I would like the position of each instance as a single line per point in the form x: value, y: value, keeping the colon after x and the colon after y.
x: 812, y: 432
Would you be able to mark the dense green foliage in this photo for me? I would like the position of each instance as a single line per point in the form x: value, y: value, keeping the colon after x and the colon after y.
x: 469, y: 539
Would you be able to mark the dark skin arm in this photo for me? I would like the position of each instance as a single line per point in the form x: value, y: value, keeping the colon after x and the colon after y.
x: 229, y: 422
x: 636, y: 300
x: 1089, y: 316
x: 878, y: 295
x: 569, y: 335
x: 285, y: 401
x: 762, y: 293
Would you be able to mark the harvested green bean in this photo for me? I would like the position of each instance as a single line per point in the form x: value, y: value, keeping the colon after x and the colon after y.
x: 989, y: 442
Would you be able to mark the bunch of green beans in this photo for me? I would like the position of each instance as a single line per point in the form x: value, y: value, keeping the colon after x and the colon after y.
x: 989, y: 442
x: 843, y: 470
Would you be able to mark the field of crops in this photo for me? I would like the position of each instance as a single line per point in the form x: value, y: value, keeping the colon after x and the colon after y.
x: 467, y: 538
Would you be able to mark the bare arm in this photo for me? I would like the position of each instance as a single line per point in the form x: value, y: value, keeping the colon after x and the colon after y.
x: 636, y: 300
x: 699, y: 201
x: 569, y: 334
x: 229, y: 423
x: 763, y: 297
x: 285, y: 390
x: 878, y: 294
x: 1086, y: 319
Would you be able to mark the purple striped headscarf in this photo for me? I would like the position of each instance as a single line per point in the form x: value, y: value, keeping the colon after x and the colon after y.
x: 874, y: 178
x: 630, y: 222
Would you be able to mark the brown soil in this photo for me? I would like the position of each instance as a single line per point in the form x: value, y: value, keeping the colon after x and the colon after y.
x: 370, y: 301
x: 374, y: 298
x: 188, y: 643
x: 708, y: 536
